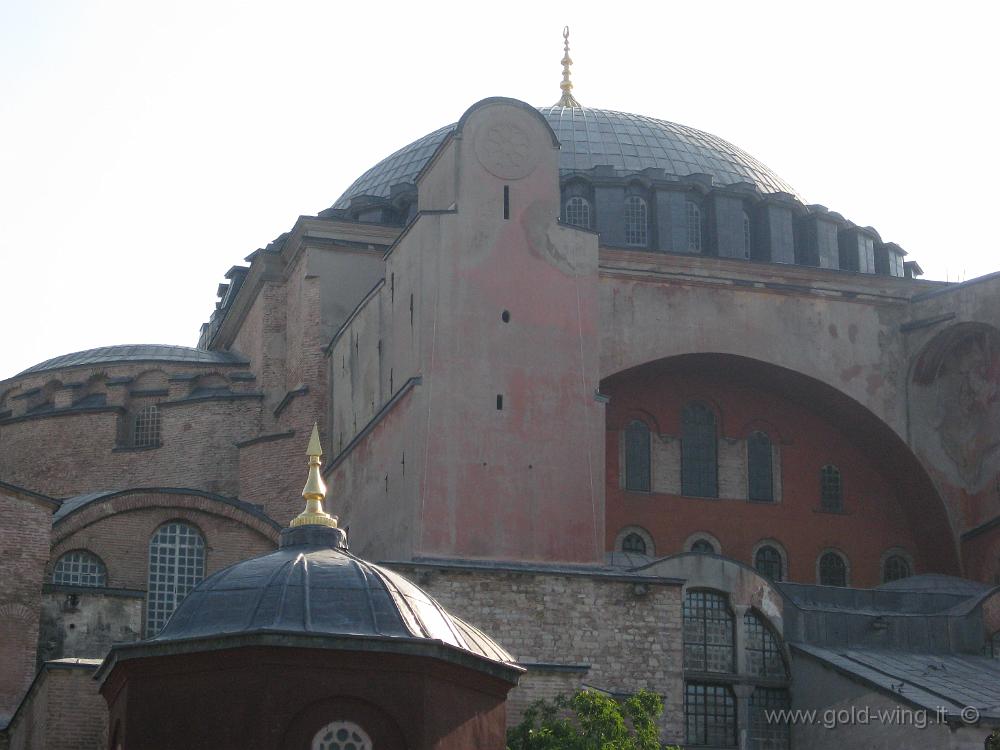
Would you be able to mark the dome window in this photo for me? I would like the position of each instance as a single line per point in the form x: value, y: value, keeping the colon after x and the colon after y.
x: 693, y: 227
x: 746, y: 235
x: 895, y: 568
x: 578, y: 212
x: 146, y: 428
x: 635, y: 222
x: 342, y: 735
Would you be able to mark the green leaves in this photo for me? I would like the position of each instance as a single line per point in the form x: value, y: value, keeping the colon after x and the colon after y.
x: 589, y: 720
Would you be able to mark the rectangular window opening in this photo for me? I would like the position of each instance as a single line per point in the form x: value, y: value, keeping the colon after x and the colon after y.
x: 506, y: 201
x: 499, y: 402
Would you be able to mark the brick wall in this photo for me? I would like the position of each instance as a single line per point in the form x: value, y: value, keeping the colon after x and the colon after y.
x: 25, y: 523
x: 561, y: 619
x: 63, y: 711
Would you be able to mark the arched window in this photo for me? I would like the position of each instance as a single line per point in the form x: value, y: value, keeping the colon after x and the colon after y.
x: 746, y: 235
x: 176, y: 565
x: 708, y: 633
x: 767, y: 561
x: 831, y: 491
x: 578, y: 212
x: 693, y: 227
x: 699, y: 446
x: 342, y: 735
x: 763, y: 654
x: 146, y: 428
x: 832, y: 569
x: 79, y: 568
x: 703, y: 547
x: 637, y: 456
x: 760, y: 481
x: 709, y: 715
x: 634, y: 543
x: 895, y: 568
x: 635, y: 221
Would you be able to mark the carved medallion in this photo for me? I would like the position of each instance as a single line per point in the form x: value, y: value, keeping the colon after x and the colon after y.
x: 505, y: 150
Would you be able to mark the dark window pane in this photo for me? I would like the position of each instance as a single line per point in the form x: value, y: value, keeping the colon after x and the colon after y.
x: 637, y: 457
x: 832, y: 570
x: 760, y: 485
x: 768, y: 563
x: 635, y: 221
x: 763, y: 653
x: 703, y: 547
x: 699, y: 446
x: 831, y: 490
x: 896, y: 567
x: 710, y: 715
x: 634, y: 543
x: 766, y: 732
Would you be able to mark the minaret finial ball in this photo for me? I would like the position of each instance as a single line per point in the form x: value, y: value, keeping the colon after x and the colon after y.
x: 315, y: 491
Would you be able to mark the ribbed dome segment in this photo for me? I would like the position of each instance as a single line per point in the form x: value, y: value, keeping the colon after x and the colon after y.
x: 598, y: 137
x: 312, y: 588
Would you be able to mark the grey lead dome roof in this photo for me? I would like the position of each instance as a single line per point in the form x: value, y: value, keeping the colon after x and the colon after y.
x: 595, y: 137
x: 137, y: 353
x: 310, y: 586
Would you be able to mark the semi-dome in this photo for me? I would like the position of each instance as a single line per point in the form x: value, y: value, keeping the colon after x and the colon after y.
x: 313, y: 586
x: 598, y: 137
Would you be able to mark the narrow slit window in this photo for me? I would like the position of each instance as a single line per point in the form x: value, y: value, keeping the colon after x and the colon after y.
x: 506, y: 201
x: 499, y: 402
x: 693, y: 227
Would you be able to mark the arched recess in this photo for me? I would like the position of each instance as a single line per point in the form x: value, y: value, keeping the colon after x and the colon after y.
x: 926, y: 516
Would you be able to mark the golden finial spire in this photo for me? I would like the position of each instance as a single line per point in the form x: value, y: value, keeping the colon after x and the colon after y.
x: 315, y: 490
x: 567, y: 99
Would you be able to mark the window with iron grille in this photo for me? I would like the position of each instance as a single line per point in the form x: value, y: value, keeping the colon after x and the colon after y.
x: 635, y: 221
x: 746, y: 236
x: 895, y: 568
x: 699, y: 447
x: 709, y: 715
x: 176, y: 565
x: 763, y: 654
x: 693, y: 227
x: 146, y: 428
x: 832, y: 570
x: 637, y: 456
x: 764, y: 734
x: 708, y: 633
x: 760, y: 481
x: 634, y: 543
x: 578, y: 212
x: 79, y: 568
x: 831, y: 497
x: 767, y: 561
x: 703, y: 547
x: 995, y: 645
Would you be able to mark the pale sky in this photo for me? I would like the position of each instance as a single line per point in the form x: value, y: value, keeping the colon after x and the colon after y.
x: 145, y: 148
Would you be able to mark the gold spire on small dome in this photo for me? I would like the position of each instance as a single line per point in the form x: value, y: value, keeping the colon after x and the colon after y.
x: 315, y: 491
x: 567, y: 99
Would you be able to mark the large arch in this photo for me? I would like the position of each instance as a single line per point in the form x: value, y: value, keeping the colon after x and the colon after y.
x: 904, y: 482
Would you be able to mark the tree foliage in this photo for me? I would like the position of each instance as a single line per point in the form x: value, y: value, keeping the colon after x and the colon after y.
x: 588, y: 720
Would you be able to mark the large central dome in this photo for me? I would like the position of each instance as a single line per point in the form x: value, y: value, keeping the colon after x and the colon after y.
x: 598, y: 137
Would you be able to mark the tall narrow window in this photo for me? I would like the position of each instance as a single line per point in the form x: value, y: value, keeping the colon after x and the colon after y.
x: 767, y: 561
x: 760, y: 482
x: 146, y: 428
x: 578, y: 212
x: 693, y: 227
x: 637, y: 456
x: 763, y: 654
x: 895, y: 568
x: 832, y: 570
x: 79, y: 568
x: 709, y: 715
x: 506, y: 201
x: 635, y: 221
x: 831, y: 490
x: 176, y: 565
x: 699, y: 447
x: 708, y: 633
x: 995, y: 645
x: 746, y: 235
